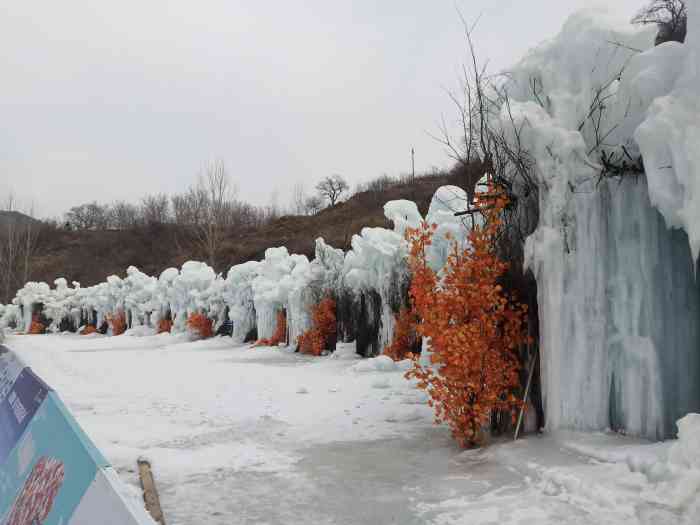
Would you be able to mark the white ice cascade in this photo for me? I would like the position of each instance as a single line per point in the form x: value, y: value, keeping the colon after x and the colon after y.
x: 619, y: 307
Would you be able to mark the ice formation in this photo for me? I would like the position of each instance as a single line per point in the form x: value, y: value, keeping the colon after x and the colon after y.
x: 450, y: 229
x: 271, y: 287
x: 619, y: 305
x: 670, y: 134
x: 373, y: 275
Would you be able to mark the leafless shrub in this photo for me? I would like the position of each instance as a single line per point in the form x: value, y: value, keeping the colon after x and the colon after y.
x: 90, y: 216
x: 19, y: 240
x: 313, y: 205
x: 486, y: 145
x: 123, y: 215
x: 155, y: 210
x: 380, y: 184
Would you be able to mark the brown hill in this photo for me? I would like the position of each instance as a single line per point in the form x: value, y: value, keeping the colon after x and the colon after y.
x: 89, y: 256
x: 15, y: 217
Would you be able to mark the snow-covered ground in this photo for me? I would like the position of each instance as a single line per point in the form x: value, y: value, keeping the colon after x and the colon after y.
x: 263, y: 435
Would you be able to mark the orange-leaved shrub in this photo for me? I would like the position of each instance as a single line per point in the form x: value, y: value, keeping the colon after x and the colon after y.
x: 89, y: 329
x: 314, y: 340
x: 36, y: 327
x: 165, y: 325
x: 280, y: 333
x: 474, y: 327
x: 405, y: 335
x: 200, y: 325
x: 117, y: 322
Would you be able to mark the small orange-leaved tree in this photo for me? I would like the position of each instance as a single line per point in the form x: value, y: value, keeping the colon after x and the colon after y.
x: 315, y: 340
x: 89, y: 329
x: 405, y: 335
x: 473, y: 326
x: 36, y: 327
x: 117, y: 322
x: 200, y: 325
x: 165, y: 325
x: 280, y: 333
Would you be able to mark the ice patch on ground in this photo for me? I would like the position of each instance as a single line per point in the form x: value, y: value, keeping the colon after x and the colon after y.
x: 227, y: 435
x: 380, y: 363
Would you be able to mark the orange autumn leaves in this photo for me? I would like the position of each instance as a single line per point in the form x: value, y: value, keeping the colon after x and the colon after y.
x: 405, y: 335
x: 473, y: 326
x: 313, y: 341
x: 165, y: 326
x: 200, y: 325
x: 89, y: 329
x: 36, y: 327
x: 280, y: 333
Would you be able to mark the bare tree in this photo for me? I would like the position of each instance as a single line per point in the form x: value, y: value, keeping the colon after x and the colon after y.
x: 123, y: 215
x: 90, y: 216
x: 214, y: 209
x: 332, y: 188
x: 487, y: 141
x: 155, y: 209
x: 189, y: 207
x: 670, y: 16
x: 19, y: 234
x: 313, y: 205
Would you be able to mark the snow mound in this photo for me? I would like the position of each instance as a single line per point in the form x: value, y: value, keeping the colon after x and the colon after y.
x: 140, y: 331
x: 404, y: 214
x: 686, y: 451
x: 380, y: 363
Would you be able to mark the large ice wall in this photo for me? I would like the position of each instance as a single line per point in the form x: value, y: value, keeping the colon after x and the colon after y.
x: 619, y: 304
x: 620, y: 316
x: 670, y: 135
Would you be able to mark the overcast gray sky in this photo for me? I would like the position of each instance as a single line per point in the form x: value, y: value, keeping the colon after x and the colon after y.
x: 114, y: 99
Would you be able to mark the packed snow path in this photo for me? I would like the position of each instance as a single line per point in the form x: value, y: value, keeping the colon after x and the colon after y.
x: 262, y: 435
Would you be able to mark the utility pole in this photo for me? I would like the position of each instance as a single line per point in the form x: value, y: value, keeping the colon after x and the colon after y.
x: 413, y: 164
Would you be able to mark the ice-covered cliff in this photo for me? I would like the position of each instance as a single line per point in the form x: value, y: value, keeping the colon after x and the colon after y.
x: 619, y: 303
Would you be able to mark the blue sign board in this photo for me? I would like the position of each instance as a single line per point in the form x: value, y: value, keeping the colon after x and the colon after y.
x: 50, y: 472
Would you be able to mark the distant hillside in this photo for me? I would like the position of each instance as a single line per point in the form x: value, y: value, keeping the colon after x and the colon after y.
x: 10, y: 217
x: 90, y: 256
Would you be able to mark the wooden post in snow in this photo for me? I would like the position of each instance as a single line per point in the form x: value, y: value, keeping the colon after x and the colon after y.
x: 527, y: 392
x: 150, y: 494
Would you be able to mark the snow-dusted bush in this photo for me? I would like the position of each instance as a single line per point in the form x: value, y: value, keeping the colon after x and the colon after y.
x: 239, y: 296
